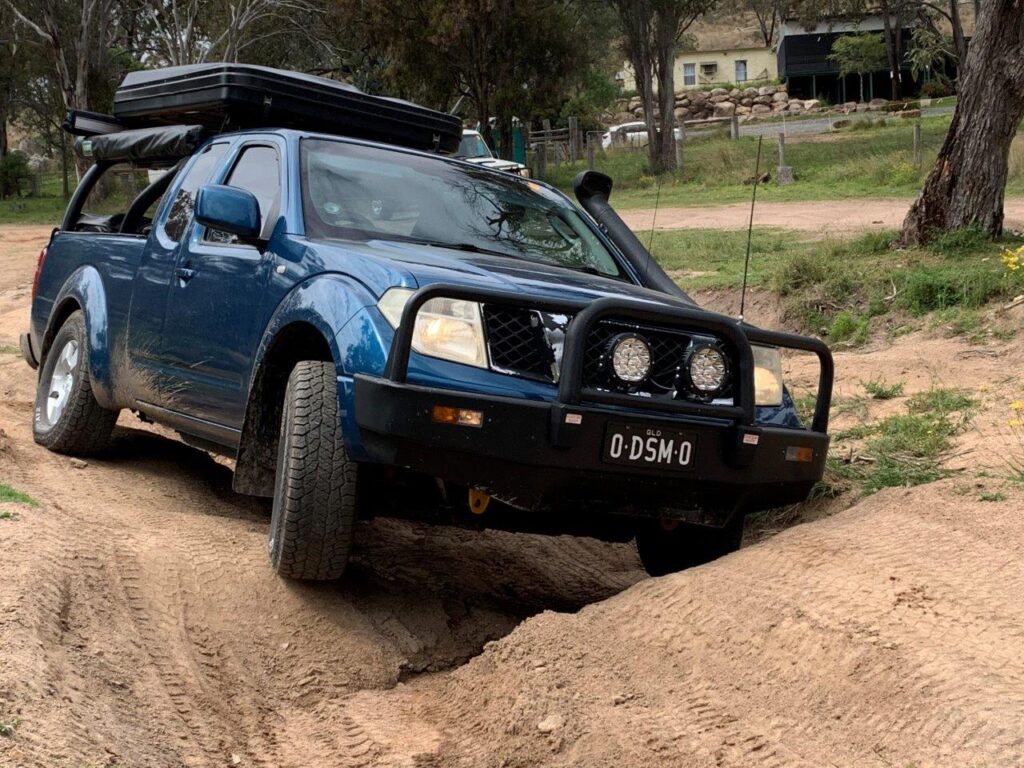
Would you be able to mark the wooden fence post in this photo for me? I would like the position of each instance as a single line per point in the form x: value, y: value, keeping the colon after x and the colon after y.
x: 917, y: 144
x: 592, y: 138
x: 574, y: 139
x: 734, y: 128
x: 542, y: 161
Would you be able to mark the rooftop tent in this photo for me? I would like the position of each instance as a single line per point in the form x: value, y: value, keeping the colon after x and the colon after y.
x: 234, y: 96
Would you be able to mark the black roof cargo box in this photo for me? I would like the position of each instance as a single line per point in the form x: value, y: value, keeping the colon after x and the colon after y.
x: 232, y: 96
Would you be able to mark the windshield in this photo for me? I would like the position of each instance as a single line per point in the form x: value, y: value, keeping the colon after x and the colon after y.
x: 354, y: 192
x: 473, y: 145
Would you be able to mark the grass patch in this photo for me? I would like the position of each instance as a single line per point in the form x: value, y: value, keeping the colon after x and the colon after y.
x: 877, y: 389
x: 836, y: 288
x: 7, y: 349
x: 7, y: 727
x: 8, y: 494
x: 997, y: 496
x: 869, y: 160
x: 907, y: 449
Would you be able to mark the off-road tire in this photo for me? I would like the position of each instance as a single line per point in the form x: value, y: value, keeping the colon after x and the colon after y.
x: 665, y: 549
x: 84, y: 426
x: 314, y: 509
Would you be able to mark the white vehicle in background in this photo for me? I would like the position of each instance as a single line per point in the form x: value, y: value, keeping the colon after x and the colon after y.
x: 629, y: 135
x: 474, y: 149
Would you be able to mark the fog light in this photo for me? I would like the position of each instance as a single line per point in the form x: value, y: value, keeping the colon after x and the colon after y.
x: 445, y: 414
x: 631, y: 358
x: 707, y: 369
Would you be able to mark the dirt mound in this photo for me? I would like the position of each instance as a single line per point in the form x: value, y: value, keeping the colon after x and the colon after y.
x: 887, y: 635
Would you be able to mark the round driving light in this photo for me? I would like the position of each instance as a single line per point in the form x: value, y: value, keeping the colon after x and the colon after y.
x: 631, y: 358
x: 707, y: 369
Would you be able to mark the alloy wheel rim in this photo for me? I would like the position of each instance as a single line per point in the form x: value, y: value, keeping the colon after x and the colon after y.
x: 62, y: 382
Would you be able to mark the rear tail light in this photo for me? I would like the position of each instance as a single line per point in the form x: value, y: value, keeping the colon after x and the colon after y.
x: 39, y: 271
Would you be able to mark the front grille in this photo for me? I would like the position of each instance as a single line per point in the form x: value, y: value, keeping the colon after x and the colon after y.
x: 516, y: 342
x: 526, y: 342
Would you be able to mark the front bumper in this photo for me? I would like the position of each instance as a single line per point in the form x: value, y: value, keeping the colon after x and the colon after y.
x: 549, y: 455
x: 27, y: 352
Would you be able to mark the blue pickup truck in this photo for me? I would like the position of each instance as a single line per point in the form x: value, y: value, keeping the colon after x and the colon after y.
x: 370, y: 329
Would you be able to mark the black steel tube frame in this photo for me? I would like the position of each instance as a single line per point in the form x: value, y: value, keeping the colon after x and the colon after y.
x: 672, y: 313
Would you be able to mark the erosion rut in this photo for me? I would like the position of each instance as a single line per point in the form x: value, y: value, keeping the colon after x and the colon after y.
x: 141, y: 626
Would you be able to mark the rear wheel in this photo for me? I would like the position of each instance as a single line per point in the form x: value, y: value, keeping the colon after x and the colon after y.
x: 315, y: 488
x: 665, y: 547
x: 67, y: 418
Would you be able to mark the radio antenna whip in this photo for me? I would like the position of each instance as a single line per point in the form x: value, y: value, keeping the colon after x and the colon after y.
x: 650, y: 240
x: 750, y: 227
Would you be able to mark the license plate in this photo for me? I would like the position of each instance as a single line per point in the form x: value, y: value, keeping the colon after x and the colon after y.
x: 654, y: 447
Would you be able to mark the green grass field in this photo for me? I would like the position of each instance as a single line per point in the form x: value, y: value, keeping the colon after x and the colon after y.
x: 849, y: 164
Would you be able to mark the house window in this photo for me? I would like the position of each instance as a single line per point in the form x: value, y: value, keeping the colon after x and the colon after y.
x: 741, y: 71
x: 689, y: 74
x: 708, y: 71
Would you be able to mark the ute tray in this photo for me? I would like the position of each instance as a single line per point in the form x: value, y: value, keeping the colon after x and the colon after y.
x: 236, y: 96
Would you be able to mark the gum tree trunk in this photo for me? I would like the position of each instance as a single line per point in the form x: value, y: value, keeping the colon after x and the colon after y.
x: 966, y: 187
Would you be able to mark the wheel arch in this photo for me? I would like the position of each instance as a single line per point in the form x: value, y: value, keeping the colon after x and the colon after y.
x: 257, y: 451
x: 84, y: 291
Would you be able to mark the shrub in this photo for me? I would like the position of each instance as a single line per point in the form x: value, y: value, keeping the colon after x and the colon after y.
x: 930, y: 288
x: 936, y: 89
x: 848, y: 328
x: 14, y: 174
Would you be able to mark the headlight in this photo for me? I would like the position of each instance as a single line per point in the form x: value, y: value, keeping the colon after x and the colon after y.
x: 767, y: 375
x: 451, y: 329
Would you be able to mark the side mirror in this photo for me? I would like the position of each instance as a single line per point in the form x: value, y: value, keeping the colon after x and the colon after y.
x: 229, y: 209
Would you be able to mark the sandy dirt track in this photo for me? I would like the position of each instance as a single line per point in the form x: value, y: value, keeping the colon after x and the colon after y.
x: 821, y: 217
x: 141, y: 625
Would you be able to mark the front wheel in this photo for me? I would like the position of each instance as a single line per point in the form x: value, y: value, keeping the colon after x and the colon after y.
x: 67, y: 418
x: 666, y: 547
x: 315, y: 488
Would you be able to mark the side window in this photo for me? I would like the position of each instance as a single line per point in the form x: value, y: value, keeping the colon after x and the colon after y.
x: 258, y: 170
x: 185, y: 199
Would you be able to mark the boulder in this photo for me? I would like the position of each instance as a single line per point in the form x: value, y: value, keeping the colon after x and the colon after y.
x: 750, y: 92
x: 683, y: 102
x: 811, y: 104
x: 767, y: 100
x: 909, y: 113
x: 734, y: 93
x: 837, y: 124
x: 719, y: 92
x: 622, y: 117
x: 635, y: 102
x: 638, y: 112
x: 780, y: 96
x: 719, y: 99
x: 725, y: 109
x: 746, y: 101
x: 760, y: 109
x: 795, y: 106
x: 681, y: 113
x: 767, y: 90
x: 850, y: 106
x: 779, y: 106
x: 876, y: 104
x: 742, y: 110
x: 862, y: 107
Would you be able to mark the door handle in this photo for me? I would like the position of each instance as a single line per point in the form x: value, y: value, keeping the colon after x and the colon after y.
x: 184, y: 274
